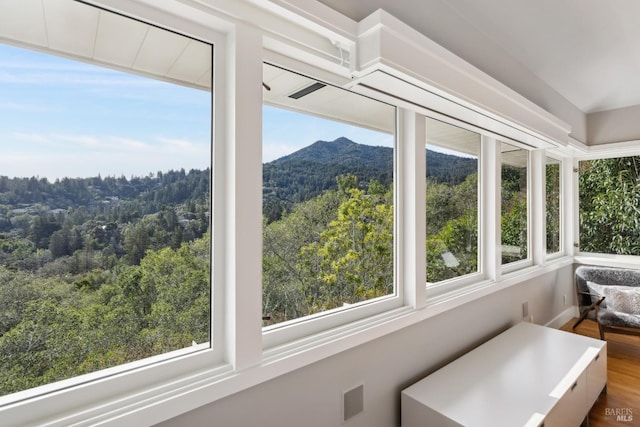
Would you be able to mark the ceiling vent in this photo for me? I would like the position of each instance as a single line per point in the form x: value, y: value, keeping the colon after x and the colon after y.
x: 307, y: 90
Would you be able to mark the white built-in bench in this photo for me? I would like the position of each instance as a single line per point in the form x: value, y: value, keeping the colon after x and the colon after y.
x: 529, y: 375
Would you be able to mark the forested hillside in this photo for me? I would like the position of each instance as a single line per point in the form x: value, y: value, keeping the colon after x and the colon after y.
x: 96, y: 272
x: 312, y: 170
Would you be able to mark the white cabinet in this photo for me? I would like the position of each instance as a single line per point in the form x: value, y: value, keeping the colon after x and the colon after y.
x: 571, y: 408
x: 529, y: 376
x: 596, y: 376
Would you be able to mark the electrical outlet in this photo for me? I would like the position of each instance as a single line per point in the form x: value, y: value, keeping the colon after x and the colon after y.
x: 525, y: 309
x: 564, y: 299
x: 352, y: 402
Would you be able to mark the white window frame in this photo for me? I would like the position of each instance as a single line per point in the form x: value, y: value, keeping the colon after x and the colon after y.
x: 490, y: 267
x: 288, y: 331
x: 443, y: 286
x: 528, y: 261
x: 562, y: 217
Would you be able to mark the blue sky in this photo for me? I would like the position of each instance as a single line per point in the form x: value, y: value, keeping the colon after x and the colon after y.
x: 285, y: 131
x: 65, y: 118
x: 62, y: 118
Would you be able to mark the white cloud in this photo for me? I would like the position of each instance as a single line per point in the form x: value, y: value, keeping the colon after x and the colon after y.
x: 80, y: 140
x: 179, y: 144
x: 31, y: 142
x: 128, y: 144
x: 273, y: 151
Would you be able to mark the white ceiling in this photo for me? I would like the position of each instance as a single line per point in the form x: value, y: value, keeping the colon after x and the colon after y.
x: 76, y: 30
x: 586, y: 50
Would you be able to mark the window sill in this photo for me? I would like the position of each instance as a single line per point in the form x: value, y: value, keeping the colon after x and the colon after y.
x: 607, y: 260
x: 446, y: 301
x: 328, y: 322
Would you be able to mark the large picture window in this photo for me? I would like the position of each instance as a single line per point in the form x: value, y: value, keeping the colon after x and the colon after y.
x: 451, y: 201
x: 104, y: 195
x: 328, y: 197
x: 609, y: 205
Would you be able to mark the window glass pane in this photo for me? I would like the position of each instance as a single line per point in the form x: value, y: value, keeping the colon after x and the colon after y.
x: 327, y: 197
x: 514, y: 203
x: 104, y: 199
x: 552, y: 182
x: 609, y: 205
x: 451, y: 201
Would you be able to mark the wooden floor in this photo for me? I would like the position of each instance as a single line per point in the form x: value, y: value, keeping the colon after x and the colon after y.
x: 622, y: 400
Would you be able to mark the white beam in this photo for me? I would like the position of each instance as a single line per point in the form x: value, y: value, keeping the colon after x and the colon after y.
x: 411, y: 231
x: 490, y: 167
x: 537, y: 208
x: 243, y: 172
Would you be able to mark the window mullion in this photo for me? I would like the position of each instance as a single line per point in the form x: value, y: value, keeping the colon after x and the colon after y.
x: 537, y: 213
x: 490, y: 207
x: 571, y: 206
x: 411, y: 213
x: 243, y: 299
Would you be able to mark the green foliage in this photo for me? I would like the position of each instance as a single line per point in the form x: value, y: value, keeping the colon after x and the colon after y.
x: 114, y: 197
x: 180, y: 279
x: 99, y: 272
x: 352, y: 260
x: 332, y: 250
x: 283, y: 279
x: 452, y: 228
x: 610, y: 206
x: 552, y: 182
x: 449, y: 169
x: 514, y: 214
x: 51, y: 330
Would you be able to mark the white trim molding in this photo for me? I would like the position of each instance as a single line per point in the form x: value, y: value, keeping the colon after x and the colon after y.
x: 392, y: 57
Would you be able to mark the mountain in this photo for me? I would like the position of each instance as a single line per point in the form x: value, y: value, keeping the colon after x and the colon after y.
x: 448, y: 168
x: 312, y: 170
x: 344, y: 151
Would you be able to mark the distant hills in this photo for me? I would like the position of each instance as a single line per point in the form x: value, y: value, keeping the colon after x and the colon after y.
x: 309, y: 171
x: 133, y: 197
x: 291, y: 179
x: 345, y: 152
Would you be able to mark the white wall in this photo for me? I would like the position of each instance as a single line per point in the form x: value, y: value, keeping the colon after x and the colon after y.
x: 618, y: 125
x: 312, y: 396
x: 466, y: 41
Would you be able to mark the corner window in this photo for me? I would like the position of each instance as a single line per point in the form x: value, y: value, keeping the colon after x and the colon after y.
x: 514, y: 203
x: 328, y: 198
x: 451, y: 201
x: 609, y: 204
x: 553, y: 218
x: 104, y: 194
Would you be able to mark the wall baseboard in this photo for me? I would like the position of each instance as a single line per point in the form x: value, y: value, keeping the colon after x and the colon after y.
x: 562, y: 318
